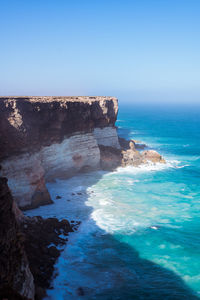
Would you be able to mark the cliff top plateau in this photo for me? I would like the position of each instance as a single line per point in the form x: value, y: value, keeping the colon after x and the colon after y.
x: 58, y: 98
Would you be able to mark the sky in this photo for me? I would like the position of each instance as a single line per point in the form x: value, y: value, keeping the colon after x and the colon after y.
x: 143, y: 50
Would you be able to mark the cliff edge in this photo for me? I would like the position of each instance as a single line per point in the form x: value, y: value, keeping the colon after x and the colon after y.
x: 43, y: 138
x: 29, y: 123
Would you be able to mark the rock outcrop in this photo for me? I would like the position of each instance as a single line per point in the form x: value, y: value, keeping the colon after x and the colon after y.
x: 127, y: 155
x: 16, y: 280
x: 42, y: 138
x: 153, y: 156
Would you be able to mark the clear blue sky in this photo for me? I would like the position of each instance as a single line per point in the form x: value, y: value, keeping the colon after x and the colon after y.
x: 144, y: 50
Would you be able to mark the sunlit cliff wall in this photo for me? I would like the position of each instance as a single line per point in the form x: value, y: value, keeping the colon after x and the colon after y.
x: 43, y: 138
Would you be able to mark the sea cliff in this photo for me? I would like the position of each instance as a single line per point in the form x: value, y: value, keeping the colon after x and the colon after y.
x: 16, y: 280
x: 43, y: 138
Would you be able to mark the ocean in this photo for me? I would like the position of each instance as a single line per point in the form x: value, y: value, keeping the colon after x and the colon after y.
x: 139, y: 236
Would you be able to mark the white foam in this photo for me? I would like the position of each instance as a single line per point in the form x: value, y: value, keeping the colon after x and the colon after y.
x: 136, y: 132
x: 104, y: 207
x: 149, y: 167
x: 154, y: 227
x: 121, y: 121
x: 183, y: 166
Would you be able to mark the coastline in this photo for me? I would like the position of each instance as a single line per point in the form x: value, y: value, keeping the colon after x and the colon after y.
x: 30, y: 169
x: 100, y: 150
x: 75, y: 272
x: 165, y: 236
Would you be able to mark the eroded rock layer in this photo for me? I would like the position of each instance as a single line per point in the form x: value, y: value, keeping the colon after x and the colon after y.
x: 28, y: 123
x: 127, y: 155
x: 43, y: 138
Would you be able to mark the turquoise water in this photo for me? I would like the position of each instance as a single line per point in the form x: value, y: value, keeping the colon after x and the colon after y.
x: 140, y: 232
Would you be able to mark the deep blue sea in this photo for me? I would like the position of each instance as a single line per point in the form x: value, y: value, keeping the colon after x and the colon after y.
x: 140, y: 231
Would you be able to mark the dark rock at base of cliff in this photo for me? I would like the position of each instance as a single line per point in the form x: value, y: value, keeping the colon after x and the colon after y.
x: 41, y: 241
x: 110, y: 157
x: 39, y: 198
x: 128, y: 155
x: 125, y: 144
x: 139, y: 145
x: 16, y: 280
x: 7, y: 293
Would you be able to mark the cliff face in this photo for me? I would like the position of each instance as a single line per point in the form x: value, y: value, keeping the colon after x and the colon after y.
x: 28, y: 123
x: 16, y: 280
x: 42, y: 138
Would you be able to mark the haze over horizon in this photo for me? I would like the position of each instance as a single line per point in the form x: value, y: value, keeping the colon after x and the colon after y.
x: 134, y: 50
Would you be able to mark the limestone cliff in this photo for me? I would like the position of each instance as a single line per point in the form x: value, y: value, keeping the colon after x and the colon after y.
x: 28, y: 123
x: 42, y: 138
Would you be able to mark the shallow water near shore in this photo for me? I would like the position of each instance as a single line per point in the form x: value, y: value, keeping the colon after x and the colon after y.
x: 140, y: 231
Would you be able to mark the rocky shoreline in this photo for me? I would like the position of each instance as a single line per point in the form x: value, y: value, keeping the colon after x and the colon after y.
x: 29, y: 249
x: 129, y: 154
x: 44, y: 138
x: 43, y: 241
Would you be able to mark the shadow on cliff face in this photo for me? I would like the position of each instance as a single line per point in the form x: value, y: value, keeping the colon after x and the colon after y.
x: 96, y: 265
